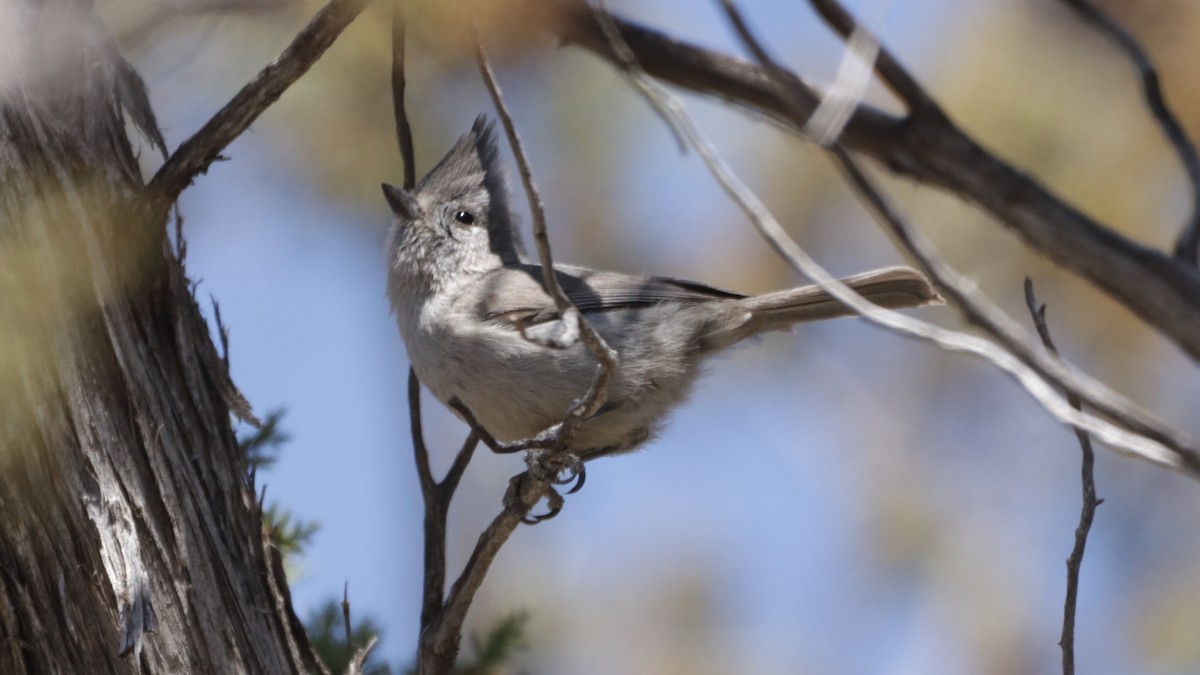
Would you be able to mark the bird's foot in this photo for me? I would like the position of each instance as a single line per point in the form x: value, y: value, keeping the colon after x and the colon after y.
x: 544, y: 458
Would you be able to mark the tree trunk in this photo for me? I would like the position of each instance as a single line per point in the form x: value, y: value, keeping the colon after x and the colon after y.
x: 130, y: 536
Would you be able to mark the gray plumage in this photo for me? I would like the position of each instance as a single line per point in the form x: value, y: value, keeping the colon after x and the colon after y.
x: 468, y: 303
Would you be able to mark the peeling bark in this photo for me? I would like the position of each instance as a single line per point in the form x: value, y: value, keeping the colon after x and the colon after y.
x: 130, y: 537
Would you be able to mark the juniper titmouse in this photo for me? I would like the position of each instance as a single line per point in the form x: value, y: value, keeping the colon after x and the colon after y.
x: 468, y: 302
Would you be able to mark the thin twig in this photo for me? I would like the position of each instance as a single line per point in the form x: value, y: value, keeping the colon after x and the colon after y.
x: 346, y: 621
x: 222, y: 330
x: 1168, y: 447
x: 198, y: 152
x: 1143, y: 435
x: 420, y: 450
x: 1087, y: 511
x: 404, y: 141
x: 797, y: 98
x: 441, y: 631
x: 435, y: 495
x: 440, y: 640
x: 1187, y: 246
x: 597, y: 393
x: 399, y: 83
x: 437, y: 511
x: 360, y: 657
x: 455, y: 473
x: 1126, y: 425
x: 633, y: 72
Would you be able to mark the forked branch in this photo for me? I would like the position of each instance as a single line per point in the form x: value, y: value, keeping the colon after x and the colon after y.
x: 1188, y: 243
x: 442, y: 620
x: 195, y: 155
x: 1151, y: 439
x: 927, y: 146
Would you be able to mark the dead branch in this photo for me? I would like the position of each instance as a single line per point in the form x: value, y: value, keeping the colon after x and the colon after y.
x: 399, y: 83
x: 975, y: 307
x: 1188, y: 242
x: 927, y: 146
x: 1087, y: 511
x: 1162, y: 444
x: 195, y: 155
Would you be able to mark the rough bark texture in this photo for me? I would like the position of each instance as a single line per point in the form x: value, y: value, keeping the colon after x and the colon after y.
x: 130, y: 538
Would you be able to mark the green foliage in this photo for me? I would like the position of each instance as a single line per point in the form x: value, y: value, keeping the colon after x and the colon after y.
x: 289, y: 534
x: 327, y: 632
x: 261, y: 446
x: 326, y: 626
x: 493, y: 651
x: 501, y: 644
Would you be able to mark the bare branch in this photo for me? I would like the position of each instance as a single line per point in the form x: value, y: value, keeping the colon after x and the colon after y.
x: 420, y: 450
x: 346, y: 619
x: 437, y: 497
x: 849, y: 87
x: 1087, y: 512
x: 1187, y: 246
x: 455, y: 473
x: 1151, y: 438
x: 440, y: 640
x: 896, y: 76
x: 399, y: 82
x: 1182, y: 451
x: 360, y: 657
x: 441, y: 622
x: 196, y: 153
x: 437, y: 511
x: 981, y: 312
x: 222, y: 330
x: 633, y: 72
x: 441, y: 627
x: 929, y: 148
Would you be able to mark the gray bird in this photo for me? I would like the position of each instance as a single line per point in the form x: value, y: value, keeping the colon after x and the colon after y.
x: 476, y: 319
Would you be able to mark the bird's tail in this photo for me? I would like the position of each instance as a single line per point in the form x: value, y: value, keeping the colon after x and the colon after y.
x: 891, y: 287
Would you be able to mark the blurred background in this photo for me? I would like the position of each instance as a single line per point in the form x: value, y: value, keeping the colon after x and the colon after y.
x: 837, y: 500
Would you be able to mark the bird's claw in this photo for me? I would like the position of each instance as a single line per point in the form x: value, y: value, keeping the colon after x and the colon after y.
x: 554, y: 504
x: 558, y: 468
x: 574, y: 473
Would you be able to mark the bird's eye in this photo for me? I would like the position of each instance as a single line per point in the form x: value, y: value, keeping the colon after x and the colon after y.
x: 464, y: 217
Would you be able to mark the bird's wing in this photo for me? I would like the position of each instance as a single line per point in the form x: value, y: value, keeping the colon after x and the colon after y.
x: 516, y: 293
